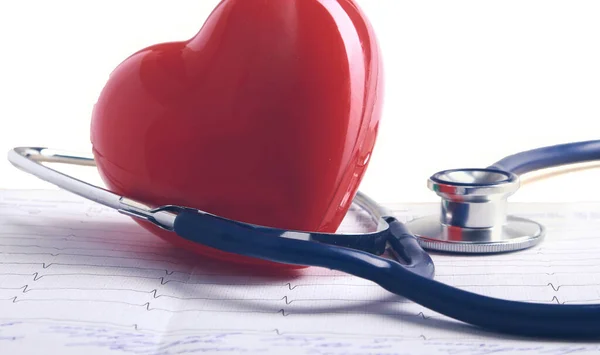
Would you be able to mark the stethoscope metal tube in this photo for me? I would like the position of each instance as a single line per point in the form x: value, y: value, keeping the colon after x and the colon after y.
x: 377, y: 242
x: 29, y: 159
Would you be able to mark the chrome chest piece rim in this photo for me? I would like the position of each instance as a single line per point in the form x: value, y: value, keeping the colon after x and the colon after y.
x: 473, y: 214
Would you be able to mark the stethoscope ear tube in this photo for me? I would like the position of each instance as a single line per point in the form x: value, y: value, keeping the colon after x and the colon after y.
x: 519, y: 318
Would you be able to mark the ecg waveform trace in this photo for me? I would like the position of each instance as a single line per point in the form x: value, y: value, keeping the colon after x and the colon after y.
x: 71, y: 269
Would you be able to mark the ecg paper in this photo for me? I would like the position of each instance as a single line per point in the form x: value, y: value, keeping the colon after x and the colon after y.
x: 78, y: 278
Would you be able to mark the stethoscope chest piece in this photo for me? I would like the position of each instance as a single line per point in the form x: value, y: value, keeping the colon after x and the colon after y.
x: 473, y: 214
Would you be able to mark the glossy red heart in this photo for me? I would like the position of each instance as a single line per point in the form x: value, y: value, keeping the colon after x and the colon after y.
x: 268, y: 115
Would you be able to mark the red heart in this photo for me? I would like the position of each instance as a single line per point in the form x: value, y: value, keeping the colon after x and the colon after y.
x: 268, y: 115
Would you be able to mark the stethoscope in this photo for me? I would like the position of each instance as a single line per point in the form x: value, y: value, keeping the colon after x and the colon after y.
x: 472, y: 219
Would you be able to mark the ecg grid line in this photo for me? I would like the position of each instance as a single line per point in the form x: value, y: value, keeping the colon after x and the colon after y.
x: 71, y: 267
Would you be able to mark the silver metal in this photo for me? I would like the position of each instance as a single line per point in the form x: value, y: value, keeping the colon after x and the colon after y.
x: 29, y: 159
x: 376, y: 211
x: 473, y: 214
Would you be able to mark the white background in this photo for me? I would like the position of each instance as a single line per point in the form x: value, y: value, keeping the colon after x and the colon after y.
x: 467, y: 82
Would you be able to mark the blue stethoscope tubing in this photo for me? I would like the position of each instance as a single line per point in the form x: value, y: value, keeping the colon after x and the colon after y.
x: 414, y: 280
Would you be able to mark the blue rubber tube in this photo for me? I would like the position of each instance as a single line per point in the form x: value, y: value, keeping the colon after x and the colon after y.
x: 511, y: 317
x: 548, y: 157
x: 413, y: 279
